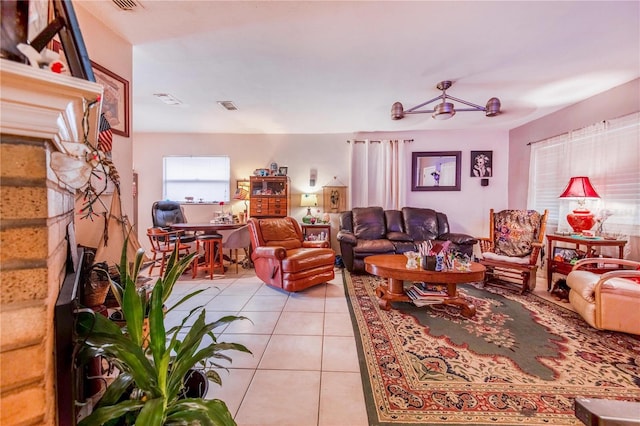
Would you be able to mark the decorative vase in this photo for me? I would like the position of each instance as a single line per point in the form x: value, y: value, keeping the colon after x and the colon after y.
x: 581, y: 220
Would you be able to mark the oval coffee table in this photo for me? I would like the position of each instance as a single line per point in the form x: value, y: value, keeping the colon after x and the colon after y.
x: 393, y: 268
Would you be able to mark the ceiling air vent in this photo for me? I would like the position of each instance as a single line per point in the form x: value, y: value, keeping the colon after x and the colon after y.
x: 126, y: 5
x: 228, y: 105
x: 168, y: 99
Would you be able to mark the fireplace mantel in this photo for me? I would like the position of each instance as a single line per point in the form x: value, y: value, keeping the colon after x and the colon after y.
x: 42, y: 104
x: 40, y: 111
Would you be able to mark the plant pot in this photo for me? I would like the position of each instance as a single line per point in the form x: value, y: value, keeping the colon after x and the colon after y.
x: 196, y: 384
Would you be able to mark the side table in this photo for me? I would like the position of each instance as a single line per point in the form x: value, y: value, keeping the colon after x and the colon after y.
x: 315, y: 232
x: 589, y: 242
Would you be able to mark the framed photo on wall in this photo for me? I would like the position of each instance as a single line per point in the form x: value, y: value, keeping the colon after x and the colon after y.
x: 334, y: 198
x: 481, y: 164
x: 115, y: 101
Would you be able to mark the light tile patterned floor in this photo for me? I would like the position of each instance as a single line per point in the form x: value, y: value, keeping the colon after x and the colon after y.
x: 304, y: 368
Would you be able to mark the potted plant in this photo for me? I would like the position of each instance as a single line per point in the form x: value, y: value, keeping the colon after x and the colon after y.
x: 149, y: 388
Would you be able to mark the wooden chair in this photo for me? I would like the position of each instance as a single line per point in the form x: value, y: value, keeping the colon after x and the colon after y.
x: 162, y: 245
x: 511, y: 252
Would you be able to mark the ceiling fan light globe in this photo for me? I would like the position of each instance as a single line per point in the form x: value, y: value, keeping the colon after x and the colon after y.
x: 397, y: 111
x: 444, y: 111
x: 493, y: 107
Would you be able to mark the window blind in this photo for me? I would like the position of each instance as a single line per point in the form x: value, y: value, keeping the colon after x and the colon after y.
x: 203, y: 179
x: 609, y: 154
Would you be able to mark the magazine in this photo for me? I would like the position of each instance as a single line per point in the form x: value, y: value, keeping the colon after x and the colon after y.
x: 430, y: 289
x: 419, y: 300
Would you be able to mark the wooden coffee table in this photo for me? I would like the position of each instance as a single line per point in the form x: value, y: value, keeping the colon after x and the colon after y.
x: 393, y: 268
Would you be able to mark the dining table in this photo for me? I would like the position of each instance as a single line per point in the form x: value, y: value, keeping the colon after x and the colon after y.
x: 206, y: 228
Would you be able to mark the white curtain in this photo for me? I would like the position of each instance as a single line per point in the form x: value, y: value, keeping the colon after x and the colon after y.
x: 378, y: 173
x: 608, y: 152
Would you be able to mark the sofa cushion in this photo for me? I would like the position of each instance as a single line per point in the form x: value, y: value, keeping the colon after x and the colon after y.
x: 280, y: 232
x: 515, y: 231
x: 305, y: 259
x: 421, y: 224
x: 394, y: 220
x: 517, y: 260
x: 368, y: 223
x: 583, y: 283
x: 398, y: 236
x: 369, y: 247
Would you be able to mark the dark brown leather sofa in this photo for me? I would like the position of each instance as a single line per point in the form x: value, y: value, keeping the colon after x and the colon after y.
x: 365, y: 231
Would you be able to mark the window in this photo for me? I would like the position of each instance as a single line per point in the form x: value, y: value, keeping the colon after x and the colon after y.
x: 205, y: 179
x: 609, y: 154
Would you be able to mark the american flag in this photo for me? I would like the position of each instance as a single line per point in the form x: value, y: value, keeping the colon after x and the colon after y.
x: 105, y: 136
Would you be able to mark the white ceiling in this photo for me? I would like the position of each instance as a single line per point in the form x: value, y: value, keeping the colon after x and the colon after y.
x: 337, y: 67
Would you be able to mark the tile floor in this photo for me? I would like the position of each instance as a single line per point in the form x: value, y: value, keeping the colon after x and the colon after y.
x: 304, y: 368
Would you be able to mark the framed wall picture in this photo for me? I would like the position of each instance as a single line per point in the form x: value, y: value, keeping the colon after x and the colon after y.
x: 481, y: 164
x: 115, y: 101
x: 283, y: 170
x: 334, y: 198
x: 436, y: 171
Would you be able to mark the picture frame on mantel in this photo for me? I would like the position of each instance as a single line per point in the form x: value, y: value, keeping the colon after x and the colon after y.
x: 115, y: 101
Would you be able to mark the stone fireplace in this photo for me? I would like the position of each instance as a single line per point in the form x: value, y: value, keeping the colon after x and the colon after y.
x: 40, y: 111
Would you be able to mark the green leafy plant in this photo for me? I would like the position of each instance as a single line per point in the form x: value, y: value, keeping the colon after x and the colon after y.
x: 152, y: 369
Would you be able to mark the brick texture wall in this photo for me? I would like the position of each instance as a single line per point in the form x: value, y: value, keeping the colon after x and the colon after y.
x: 35, y: 211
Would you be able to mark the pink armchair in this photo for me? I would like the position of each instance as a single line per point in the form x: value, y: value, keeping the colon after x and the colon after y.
x: 610, y: 300
x: 283, y: 259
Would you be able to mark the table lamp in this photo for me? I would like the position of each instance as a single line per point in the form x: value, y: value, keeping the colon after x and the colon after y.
x: 308, y: 201
x: 580, y: 188
x: 242, y: 194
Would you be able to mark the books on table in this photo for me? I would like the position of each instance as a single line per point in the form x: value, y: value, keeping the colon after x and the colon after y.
x: 422, y: 294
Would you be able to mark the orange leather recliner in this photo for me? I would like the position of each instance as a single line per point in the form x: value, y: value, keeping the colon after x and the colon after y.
x: 283, y: 259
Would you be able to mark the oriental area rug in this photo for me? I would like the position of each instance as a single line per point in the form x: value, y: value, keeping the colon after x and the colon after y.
x: 522, y: 360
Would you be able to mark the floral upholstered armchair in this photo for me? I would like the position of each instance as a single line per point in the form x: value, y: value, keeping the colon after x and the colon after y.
x: 511, y: 252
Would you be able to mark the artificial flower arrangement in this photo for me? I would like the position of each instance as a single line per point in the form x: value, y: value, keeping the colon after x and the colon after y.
x: 601, y: 218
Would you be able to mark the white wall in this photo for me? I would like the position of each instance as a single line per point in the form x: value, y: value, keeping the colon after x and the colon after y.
x: 114, y: 53
x: 617, y: 102
x: 467, y: 209
x: 300, y: 153
x: 328, y: 154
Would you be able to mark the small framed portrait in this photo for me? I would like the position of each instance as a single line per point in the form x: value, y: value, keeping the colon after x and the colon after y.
x: 481, y: 164
x: 283, y: 170
x: 561, y: 254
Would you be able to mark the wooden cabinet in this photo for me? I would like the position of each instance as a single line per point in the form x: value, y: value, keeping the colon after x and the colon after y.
x: 269, y: 196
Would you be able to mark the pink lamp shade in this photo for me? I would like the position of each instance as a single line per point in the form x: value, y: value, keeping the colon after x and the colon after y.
x: 580, y: 188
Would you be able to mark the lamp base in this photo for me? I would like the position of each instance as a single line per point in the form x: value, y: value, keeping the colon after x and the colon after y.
x: 307, y: 218
x: 581, y: 220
